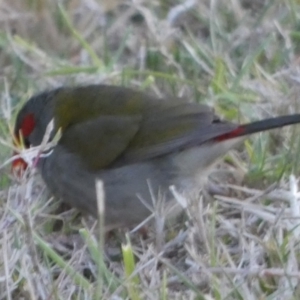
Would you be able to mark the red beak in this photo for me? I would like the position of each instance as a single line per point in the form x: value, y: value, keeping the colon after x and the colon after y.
x: 18, y: 166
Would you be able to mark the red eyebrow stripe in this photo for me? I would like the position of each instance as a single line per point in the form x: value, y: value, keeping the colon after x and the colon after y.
x: 28, y: 125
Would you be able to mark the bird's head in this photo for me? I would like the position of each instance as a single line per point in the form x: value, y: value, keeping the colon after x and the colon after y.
x: 31, y: 124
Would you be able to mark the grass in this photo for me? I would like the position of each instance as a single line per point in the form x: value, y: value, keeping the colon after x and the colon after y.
x: 240, y: 57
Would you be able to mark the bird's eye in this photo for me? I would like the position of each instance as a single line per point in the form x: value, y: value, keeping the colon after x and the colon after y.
x: 26, y: 143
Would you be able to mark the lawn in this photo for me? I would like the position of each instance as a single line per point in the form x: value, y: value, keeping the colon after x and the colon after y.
x: 240, y: 57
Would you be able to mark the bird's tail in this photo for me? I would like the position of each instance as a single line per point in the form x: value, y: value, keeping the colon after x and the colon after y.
x: 259, y: 126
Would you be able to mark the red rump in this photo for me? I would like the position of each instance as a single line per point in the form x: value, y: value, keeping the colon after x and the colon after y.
x: 230, y: 135
x: 27, y: 125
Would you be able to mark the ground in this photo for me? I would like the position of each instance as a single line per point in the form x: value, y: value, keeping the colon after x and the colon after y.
x: 239, y: 56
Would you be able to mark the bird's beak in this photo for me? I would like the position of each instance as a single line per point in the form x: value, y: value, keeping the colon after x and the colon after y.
x: 32, y: 155
x: 18, y: 166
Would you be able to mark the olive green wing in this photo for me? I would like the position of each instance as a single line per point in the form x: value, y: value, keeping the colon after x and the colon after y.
x: 161, y: 136
x: 98, y: 122
x: 112, y: 126
x: 101, y: 141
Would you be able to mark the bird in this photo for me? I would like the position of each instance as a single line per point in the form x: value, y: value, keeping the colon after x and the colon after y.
x: 138, y: 145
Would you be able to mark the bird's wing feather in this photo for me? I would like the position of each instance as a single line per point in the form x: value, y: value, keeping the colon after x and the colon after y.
x: 158, y: 137
x: 110, y: 127
x: 100, y: 141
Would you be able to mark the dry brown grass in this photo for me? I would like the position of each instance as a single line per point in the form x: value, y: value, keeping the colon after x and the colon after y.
x: 239, y: 56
